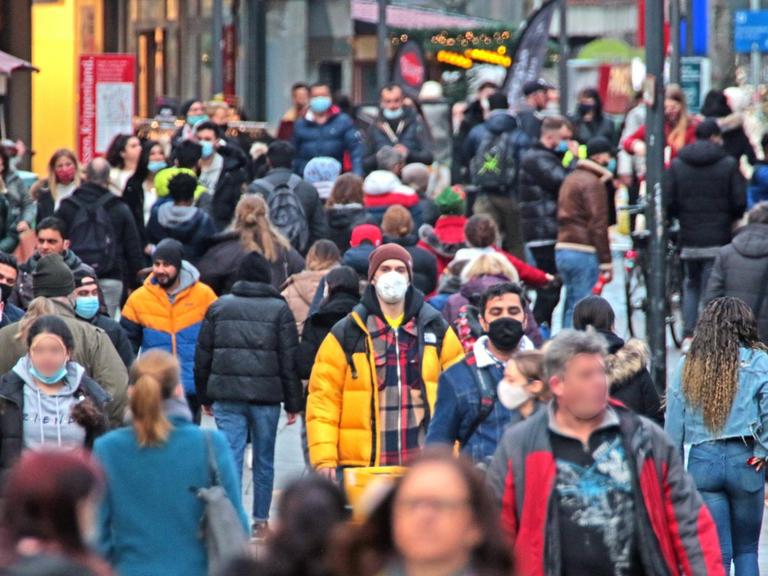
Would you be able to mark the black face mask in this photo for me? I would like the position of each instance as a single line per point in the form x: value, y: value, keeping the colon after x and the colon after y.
x: 505, y: 334
x: 585, y: 109
x: 5, y: 292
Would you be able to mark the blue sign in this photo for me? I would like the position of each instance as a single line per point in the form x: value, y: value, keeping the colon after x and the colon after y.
x: 750, y: 29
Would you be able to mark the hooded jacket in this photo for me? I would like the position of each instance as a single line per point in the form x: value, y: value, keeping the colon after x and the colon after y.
x: 706, y: 192
x: 735, y: 140
x: 155, y: 318
x: 444, y: 239
x: 188, y: 224
x: 498, y: 121
x: 541, y: 175
x: 341, y: 219
x: 343, y: 403
x: 382, y: 189
x: 409, y: 130
x: 631, y: 384
x: 675, y: 531
x: 31, y: 419
x: 334, y: 138
x: 246, y: 351
x: 739, y: 271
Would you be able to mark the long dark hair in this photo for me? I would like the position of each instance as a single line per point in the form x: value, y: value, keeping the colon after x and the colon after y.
x: 594, y: 95
x: 116, y: 148
x: 133, y: 195
x: 711, y: 371
x: 365, y: 550
x: 715, y: 105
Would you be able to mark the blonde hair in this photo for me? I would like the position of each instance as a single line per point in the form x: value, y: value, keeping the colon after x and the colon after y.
x: 34, y: 191
x: 153, y: 378
x: 323, y: 255
x: 492, y: 264
x: 40, y: 306
x: 397, y: 221
x: 256, y: 231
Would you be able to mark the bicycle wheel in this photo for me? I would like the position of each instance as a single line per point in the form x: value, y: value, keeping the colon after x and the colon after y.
x: 675, y: 298
x: 634, y: 297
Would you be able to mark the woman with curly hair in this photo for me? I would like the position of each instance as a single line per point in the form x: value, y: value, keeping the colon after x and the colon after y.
x: 717, y: 414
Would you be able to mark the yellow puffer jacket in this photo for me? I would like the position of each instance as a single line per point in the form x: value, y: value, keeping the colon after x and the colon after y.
x: 343, y: 406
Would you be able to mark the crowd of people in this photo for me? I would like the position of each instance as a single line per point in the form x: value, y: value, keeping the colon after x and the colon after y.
x: 328, y: 278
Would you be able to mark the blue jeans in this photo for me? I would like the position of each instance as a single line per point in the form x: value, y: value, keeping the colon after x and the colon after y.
x: 694, y: 284
x: 234, y: 419
x: 580, y: 271
x: 733, y: 492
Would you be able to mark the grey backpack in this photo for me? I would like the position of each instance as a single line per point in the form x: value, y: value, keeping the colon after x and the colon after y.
x: 220, y: 527
x: 285, y: 210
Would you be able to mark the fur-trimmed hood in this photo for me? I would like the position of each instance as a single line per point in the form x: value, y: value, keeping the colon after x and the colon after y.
x: 627, y: 362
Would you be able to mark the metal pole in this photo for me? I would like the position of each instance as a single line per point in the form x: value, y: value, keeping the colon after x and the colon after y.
x: 655, y: 142
x: 217, y: 86
x: 563, y: 68
x: 689, y: 28
x: 382, y: 51
x: 754, y: 59
x: 674, y: 41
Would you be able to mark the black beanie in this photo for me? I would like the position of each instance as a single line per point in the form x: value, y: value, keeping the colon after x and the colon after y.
x: 169, y: 251
x: 255, y: 268
x: 598, y: 145
x: 52, y: 278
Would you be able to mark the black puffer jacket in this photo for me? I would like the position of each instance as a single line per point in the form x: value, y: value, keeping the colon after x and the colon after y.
x: 739, y: 270
x: 229, y: 188
x: 341, y: 220
x: 706, y: 192
x: 628, y: 376
x: 541, y: 174
x: 317, y: 327
x: 246, y: 350
x: 424, y: 263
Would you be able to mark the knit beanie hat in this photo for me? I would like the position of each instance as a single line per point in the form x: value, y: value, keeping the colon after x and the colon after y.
x: 598, y: 145
x: 255, y: 268
x: 322, y: 169
x: 170, y: 251
x: 389, y: 252
x: 451, y: 201
x: 52, y: 278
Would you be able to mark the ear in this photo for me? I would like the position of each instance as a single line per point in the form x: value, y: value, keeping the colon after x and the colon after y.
x: 483, y: 324
x: 67, y: 244
x: 556, y: 385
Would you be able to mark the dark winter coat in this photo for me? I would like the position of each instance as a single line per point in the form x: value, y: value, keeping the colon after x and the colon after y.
x: 133, y: 197
x: 229, y: 188
x: 585, y: 131
x: 541, y: 175
x: 12, y: 415
x: 735, y: 140
x: 337, y: 136
x: 409, y: 131
x: 629, y: 378
x: 357, y: 259
x: 739, y: 271
x: 424, y: 263
x: 218, y: 267
x: 130, y: 253
x: 191, y: 226
x: 307, y: 196
x: 498, y: 121
x: 317, y: 327
x: 341, y: 219
x: 706, y: 192
x: 758, y: 184
x: 9, y: 237
x: 246, y: 350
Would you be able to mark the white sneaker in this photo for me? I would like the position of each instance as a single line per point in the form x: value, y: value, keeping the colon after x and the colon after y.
x: 249, y: 456
x: 686, y: 346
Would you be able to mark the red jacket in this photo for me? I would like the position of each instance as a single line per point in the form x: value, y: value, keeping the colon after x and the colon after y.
x: 676, y: 534
x: 639, y: 134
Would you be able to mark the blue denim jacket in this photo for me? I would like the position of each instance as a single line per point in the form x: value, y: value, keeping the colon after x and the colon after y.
x: 749, y: 412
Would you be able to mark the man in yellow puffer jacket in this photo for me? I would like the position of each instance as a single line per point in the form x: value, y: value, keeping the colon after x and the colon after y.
x: 374, y: 382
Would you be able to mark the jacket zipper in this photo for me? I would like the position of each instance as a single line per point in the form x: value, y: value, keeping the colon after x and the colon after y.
x: 399, y: 401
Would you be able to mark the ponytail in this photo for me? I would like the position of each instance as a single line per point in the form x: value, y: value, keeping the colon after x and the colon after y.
x: 257, y: 234
x: 149, y: 421
x: 154, y: 377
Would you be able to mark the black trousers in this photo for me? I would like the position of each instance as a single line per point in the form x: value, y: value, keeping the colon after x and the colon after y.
x: 546, y: 298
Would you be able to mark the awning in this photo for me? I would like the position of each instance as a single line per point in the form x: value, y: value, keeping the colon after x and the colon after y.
x: 9, y: 64
x: 408, y: 18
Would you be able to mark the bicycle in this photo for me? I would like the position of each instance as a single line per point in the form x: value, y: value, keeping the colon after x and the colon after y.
x: 636, y: 266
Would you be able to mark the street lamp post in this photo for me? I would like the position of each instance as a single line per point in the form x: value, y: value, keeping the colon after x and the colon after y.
x: 382, y: 51
x: 563, y: 68
x: 655, y: 142
x: 674, y: 41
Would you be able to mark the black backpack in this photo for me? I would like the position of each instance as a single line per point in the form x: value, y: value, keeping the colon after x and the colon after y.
x: 92, y: 235
x: 494, y: 165
x: 286, y: 212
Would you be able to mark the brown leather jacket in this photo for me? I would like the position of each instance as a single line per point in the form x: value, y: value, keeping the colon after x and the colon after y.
x: 582, y: 211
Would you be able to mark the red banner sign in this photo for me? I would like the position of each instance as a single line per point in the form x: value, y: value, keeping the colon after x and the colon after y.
x: 107, y: 84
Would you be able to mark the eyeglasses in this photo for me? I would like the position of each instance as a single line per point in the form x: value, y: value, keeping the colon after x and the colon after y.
x: 438, y: 505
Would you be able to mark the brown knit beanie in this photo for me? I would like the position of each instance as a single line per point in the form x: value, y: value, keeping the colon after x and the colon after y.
x: 389, y: 252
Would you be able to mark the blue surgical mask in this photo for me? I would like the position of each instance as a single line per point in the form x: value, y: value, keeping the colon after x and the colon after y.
x: 207, y: 149
x: 562, y: 147
x: 320, y: 104
x: 86, y: 306
x: 156, y: 165
x: 611, y: 166
x: 58, y: 376
x: 196, y: 118
x: 392, y: 114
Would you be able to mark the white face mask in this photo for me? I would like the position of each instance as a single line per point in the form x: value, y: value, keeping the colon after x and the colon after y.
x: 511, y: 395
x: 391, y: 287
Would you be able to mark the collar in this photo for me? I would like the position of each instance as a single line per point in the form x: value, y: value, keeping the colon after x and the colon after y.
x: 610, y: 420
x: 483, y: 356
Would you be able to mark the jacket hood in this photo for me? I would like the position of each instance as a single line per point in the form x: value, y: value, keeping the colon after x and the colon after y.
x: 188, y: 275
x: 254, y: 290
x: 405, y: 241
x: 344, y: 215
x: 446, y: 237
x: 702, y: 153
x: 414, y: 300
x: 384, y: 182
x: 71, y: 259
x: 75, y: 373
x: 752, y: 241
x: 476, y: 286
x: 182, y: 218
x: 615, y: 343
x: 90, y: 190
x: 334, y: 309
x: 500, y: 121
x: 304, y: 284
x: 627, y: 361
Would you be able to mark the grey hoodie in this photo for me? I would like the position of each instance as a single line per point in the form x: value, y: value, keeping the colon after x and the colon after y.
x: 47, y: 419
x: 188, y: 275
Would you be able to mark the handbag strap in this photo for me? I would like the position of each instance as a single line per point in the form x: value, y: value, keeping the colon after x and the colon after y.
x: 213, y: 466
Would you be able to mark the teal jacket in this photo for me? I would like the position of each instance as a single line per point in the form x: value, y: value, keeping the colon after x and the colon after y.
x: 150, y: 515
